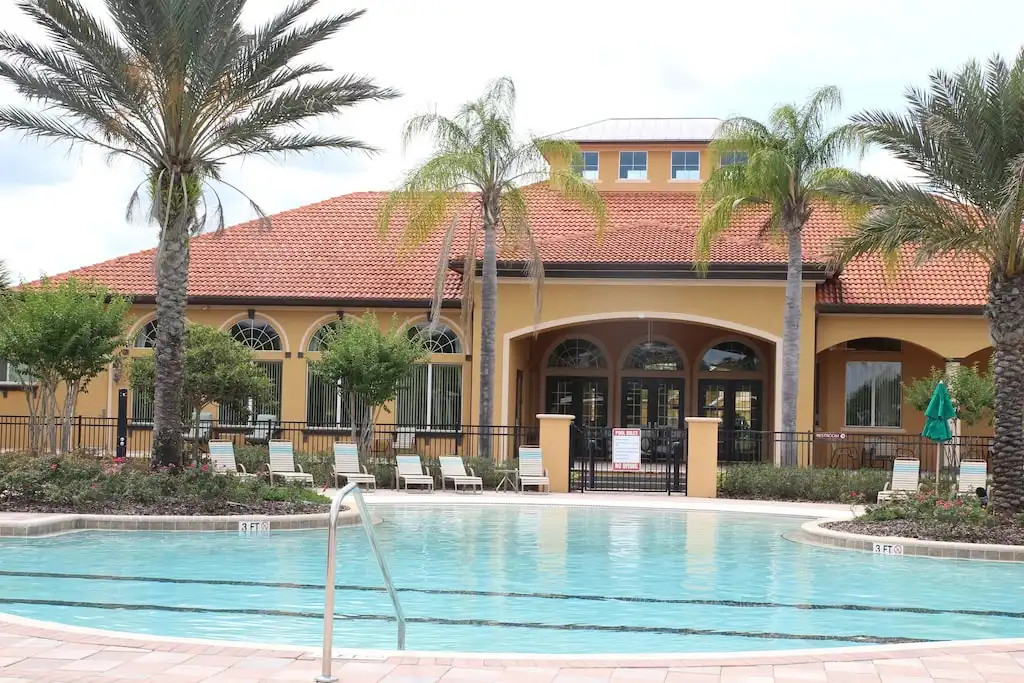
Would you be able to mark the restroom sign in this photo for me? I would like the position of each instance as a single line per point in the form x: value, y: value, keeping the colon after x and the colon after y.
x: 626, y: 450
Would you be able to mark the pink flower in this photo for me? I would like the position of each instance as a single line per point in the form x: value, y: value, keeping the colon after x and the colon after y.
x: 94, y: 485
x: 205, y: 467
x: 53, y: 466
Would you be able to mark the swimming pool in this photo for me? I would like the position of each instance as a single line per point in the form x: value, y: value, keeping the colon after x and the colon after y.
x: 509, y: 578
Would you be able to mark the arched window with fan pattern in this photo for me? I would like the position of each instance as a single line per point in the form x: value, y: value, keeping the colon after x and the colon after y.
x: 431, y: 399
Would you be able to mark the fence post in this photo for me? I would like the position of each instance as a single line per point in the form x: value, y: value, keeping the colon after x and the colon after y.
x: 122, y: 423
x: 78, y: 430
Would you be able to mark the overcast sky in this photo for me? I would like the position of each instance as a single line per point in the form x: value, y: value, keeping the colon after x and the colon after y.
x: 573, y: 62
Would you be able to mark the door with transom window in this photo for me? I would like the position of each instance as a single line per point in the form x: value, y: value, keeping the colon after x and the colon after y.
x: 730, y: 386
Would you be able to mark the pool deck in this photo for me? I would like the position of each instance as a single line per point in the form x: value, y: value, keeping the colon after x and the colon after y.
x: 36, y: 652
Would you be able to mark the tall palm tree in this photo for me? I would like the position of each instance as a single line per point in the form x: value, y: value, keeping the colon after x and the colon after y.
x: 790, y: 163
x: 477, y: 172
x: 964, y: 135
x: 5, y: 276
x: 181, y: 88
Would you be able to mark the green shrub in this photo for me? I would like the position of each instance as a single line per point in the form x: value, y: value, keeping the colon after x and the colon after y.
x: 931, y: 509
x: 84, y: 483
x: 768, y: 482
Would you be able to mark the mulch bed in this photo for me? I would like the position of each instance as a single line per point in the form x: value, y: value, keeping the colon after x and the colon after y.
x: 1000, y: 533
x: 175, y: 507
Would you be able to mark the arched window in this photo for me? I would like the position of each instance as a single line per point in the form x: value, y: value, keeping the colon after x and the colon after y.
x: 316, y: 342
x: 258, y: 335
x: 654, y: 355
x: 145, y: 338
x: 730, y: 356
x: 431, y: 397
x: 577, y: 353
x: 437, y: 339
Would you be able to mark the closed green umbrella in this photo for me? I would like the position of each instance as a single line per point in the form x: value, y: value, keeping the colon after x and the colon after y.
x: 938, y: 414
x: 936, y: 422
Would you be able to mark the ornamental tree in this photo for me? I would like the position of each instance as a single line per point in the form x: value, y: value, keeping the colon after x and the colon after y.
x: 218, y: 370
x: 59, y: 335
x: 972, y: 391
x: 371, y: 364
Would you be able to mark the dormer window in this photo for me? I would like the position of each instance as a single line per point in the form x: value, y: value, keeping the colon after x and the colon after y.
x: 730, y: 158
x: 632, y: 165
x: 586, y: 165
x: 685, y: 165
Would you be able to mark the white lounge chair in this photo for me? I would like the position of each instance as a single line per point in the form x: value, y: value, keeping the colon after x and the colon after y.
x: 200, y: 432
x: 346, y: 464
x: 410, y: 471
x: 262, y: 430
x: 404, y: 441
x: 282, y: 464
x: 531, y: 469
x: 905, y: 479
x: 453, y: 468
x: 973, y: 476
x: 222, y: 456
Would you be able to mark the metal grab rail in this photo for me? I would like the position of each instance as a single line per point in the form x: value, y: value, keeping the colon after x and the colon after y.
x: 332, y: 560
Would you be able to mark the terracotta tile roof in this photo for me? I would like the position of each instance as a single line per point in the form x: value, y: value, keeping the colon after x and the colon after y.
x: 332, y: 251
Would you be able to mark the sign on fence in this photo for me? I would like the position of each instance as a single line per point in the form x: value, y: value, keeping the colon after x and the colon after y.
x: 626, y: 450
x: 254, y: 527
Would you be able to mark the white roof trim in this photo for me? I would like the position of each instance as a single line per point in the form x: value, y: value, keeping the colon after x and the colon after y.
x: 643, y: 130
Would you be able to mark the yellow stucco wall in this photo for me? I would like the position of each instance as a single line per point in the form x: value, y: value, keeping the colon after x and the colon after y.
x: 295, y: 325
x: 748, y: 309
x: 947, y: 335
x: 659, y: 165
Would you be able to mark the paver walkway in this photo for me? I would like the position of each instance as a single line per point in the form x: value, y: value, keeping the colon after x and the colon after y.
x: 31, y: 652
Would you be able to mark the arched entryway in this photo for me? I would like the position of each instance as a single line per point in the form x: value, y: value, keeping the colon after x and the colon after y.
x: 653, y: 385
x: 576, y: 377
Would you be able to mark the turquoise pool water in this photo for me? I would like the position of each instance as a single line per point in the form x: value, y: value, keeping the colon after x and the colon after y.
x: 519, y: 579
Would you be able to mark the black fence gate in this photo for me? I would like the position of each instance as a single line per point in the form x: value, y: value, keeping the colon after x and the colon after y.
x: 662, y: 466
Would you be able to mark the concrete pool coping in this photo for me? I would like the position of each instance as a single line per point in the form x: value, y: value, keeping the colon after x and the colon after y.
x: 37, y: 524
x: 40, y: 524
x: 32, y: 650
x: 813, y: 533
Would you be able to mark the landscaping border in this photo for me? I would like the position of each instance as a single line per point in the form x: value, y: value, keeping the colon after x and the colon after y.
x: 812, y: 533
x: 31, y: 525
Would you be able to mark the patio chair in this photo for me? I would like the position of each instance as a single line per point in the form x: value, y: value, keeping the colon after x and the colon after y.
x: 905, y: 479
x: 346, y: 464
x: 452, y: 467
x: 222, y: 457
x: 263, y: 429
x: 410, y: 470
x: 282, y: 464
x: 199, y: 433
x: 531, y: 470
x: 405, y: 440
x: 973, y: 476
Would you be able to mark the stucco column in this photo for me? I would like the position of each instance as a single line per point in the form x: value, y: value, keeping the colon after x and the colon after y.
x: 293, y: 390
x: 554, y: 448
x: 702, y: 456
x: 805, y: 398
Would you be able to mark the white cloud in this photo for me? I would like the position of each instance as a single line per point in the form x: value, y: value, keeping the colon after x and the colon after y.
x: 574, y: 61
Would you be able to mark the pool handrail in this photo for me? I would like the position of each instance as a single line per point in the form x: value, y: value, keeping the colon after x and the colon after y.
x: 332, y: 560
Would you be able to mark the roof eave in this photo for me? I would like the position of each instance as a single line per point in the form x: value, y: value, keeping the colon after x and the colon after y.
x: 653, y: 270
x: 341, y: 302
x: 901, y: 309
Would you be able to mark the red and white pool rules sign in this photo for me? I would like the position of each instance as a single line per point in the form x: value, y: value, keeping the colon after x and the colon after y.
x: 625, y: 450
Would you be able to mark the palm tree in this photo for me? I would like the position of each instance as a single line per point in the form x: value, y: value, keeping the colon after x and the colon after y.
x: 964, y: 135
x: 181, y: 88
x: 790, y: 163
x: 5, y: 276
x: 477, y: 171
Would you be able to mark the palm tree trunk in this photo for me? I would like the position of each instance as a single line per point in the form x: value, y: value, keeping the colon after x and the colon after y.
x: 488, y: 320
x: 1005, y: 312
x: 171, y: 293
x: 791, y: 344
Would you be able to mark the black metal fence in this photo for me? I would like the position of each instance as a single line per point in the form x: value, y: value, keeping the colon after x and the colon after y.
x: 875, y: 451
x: 658, y: 463
x: 749, y: 446
x: 99, y: 435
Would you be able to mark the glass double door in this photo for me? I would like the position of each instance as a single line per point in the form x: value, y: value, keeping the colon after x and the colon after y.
x: 738, y: 403
x: 652, y: 402
x: 584, y: 397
